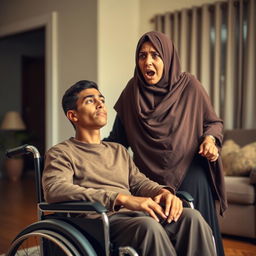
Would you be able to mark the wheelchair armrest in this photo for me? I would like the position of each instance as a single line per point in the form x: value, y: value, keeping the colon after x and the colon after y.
x: 74, y: 206
x: 185, y: 196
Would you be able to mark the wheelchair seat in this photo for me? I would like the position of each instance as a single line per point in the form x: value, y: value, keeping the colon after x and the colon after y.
x: 59, y: 230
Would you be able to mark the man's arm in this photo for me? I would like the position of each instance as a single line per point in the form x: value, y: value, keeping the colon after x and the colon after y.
x: 140, y: 185
x: 148, y: 196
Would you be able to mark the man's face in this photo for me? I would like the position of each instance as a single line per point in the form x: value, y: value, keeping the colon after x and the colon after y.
x: 91, y: 112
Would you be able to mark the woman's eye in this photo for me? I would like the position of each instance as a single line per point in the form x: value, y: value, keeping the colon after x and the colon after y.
x: 142, y: 56
x: 102, y: 100
x: 155, y: 55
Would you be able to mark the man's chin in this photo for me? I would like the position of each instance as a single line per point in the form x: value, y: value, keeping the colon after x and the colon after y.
x: 102, y: 124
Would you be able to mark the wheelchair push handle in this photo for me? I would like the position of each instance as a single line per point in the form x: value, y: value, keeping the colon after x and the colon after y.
x: 18, y: 151
x: 22, y: 150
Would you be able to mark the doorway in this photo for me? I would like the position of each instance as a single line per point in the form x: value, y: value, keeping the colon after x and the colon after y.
x: 33, y: 99
x: 50, y: 25
x: 22, y: 80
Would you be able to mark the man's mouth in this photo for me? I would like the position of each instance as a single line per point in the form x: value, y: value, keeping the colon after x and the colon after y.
x: 101, y: 113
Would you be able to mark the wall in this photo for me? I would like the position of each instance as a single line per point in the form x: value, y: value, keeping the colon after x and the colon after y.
x: 118, y: 26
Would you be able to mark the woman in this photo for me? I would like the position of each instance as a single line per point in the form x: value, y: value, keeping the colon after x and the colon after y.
x: 166, y: 117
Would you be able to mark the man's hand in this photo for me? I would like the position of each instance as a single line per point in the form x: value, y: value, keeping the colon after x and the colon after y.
x: 208, y: 149
x: 144, y: 204
x: 173, y: 205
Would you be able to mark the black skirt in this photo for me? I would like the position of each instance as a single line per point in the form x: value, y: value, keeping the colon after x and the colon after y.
x: 197, y: 183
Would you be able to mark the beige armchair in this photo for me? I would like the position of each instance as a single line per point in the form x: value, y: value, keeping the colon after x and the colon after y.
x: 240, y: 218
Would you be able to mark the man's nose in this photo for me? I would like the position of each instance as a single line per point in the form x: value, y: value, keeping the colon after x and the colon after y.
x: 99, y: 103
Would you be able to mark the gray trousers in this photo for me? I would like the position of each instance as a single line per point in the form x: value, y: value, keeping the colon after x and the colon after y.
x: 190, y: 235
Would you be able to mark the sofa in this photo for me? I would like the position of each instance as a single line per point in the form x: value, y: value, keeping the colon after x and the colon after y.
x: 239, y: 146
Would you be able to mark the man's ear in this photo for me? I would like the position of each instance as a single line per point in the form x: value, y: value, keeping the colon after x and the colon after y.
x: 71, y: 115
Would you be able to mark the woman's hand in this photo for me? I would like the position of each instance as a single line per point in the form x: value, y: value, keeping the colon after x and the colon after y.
x: 208, y: 149
x: 173, y: 205
x: 144, y: 204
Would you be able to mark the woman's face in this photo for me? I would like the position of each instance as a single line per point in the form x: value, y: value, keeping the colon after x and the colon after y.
x: 150, y: 63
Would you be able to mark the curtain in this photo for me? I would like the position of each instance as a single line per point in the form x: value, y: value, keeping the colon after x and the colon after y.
x: 216, y: 43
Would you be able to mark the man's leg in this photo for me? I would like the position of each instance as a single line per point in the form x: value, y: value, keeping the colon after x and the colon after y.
x: 141, y: 232
x: 191, y: 235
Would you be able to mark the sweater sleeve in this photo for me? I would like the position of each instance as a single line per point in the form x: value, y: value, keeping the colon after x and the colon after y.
x: 118, y: 134
x: 58, y: 182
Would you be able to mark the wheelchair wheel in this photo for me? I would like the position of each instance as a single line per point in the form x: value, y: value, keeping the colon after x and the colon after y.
x: 50, y: 238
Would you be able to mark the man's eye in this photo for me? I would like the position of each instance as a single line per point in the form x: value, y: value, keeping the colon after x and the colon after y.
x: 102, y: 100
x: 89, y: 101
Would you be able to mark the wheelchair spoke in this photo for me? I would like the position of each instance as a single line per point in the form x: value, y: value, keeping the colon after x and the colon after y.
x: 43, y: 243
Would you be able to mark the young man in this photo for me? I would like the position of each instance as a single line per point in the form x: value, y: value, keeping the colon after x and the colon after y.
x: 86, y: 168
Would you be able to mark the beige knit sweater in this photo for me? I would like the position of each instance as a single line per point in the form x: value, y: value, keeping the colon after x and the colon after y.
x: 95, y: 172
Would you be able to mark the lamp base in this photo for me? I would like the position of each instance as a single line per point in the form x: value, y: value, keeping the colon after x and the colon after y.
x: 13, y: 168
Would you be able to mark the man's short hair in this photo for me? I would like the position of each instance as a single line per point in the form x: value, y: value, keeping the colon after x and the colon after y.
x: 69, y: 98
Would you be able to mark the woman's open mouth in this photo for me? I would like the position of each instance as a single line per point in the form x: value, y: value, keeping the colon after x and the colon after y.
x: 149, y: 74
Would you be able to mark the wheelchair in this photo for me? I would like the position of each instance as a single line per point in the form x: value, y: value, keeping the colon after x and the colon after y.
x: 59, y: 231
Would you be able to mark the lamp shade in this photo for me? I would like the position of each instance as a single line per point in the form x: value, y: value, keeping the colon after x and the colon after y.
x: 12, y: 121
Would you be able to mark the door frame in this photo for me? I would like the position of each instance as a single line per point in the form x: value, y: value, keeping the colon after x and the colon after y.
x: 51, y: 67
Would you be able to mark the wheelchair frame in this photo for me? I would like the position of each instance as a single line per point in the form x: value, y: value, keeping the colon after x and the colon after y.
x: 58, y: 230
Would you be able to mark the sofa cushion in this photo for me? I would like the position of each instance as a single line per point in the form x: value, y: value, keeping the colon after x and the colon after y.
x: 238, y: 161
x: 239, y: 190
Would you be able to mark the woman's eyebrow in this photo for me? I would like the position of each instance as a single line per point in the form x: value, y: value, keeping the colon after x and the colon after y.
x: 152, y: 51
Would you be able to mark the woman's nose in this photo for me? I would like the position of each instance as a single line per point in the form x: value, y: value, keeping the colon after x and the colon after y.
x: 148, y: 60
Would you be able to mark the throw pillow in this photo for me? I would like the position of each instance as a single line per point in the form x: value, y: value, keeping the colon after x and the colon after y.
x: 228, y: 147
x: 238, y: 161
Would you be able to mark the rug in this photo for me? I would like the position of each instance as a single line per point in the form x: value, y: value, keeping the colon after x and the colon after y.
x: 32, y: 251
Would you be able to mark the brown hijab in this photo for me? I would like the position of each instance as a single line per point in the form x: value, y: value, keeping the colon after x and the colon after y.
x: 166, y: 122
